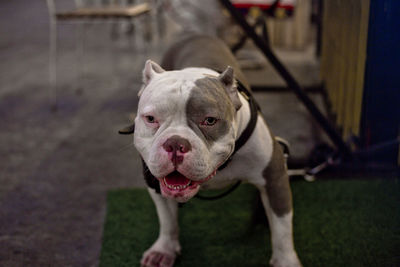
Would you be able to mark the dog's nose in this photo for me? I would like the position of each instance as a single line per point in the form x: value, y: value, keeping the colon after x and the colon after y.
x: 176, y: 147
x: 177, y: 144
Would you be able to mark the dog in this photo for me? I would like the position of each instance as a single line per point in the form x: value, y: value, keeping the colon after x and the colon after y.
x: 190, y: 118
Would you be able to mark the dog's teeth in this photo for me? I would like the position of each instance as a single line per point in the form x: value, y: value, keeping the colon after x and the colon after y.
x: 176, y: 187
x: 169, y: 186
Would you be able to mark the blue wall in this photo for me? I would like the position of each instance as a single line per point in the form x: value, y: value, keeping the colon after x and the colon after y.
x: 380, y: 120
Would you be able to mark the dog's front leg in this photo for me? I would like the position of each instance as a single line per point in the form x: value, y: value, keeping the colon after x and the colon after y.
x: 163, y: 252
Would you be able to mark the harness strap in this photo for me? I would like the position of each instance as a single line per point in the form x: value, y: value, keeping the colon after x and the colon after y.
x: 225, y: 193
x: 151, y: 181
x: 251, y: 125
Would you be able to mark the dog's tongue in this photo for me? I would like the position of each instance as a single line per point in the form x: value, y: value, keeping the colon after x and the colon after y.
x: 176, y: 178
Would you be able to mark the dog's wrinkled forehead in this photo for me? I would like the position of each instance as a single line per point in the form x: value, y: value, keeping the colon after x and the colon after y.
x: 165, y: 91
x: 209, y: 96
x: 171, y: 82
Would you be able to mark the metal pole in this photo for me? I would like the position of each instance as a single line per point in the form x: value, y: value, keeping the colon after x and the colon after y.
x: 52, y: 55
x: 290, y: 81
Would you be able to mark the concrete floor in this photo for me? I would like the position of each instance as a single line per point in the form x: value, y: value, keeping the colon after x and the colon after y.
x: 56, y: 167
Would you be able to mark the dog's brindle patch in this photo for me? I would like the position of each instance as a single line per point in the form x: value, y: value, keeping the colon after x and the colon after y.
x: 209, y: 98
x: 278, y: 187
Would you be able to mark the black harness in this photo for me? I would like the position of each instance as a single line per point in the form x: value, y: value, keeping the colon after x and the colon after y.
x: 153, y: 182
x: 251, y: 125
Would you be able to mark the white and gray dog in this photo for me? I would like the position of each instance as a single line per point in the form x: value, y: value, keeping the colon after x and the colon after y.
x: 190, y: 115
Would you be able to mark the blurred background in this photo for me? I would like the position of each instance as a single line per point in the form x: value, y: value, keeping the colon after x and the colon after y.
x: 71, y: 70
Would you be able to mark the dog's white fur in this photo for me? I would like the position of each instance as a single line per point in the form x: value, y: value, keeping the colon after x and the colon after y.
x: 164, y: 95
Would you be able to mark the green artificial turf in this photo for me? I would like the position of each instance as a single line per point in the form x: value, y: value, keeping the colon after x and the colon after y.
x: 336, y: 223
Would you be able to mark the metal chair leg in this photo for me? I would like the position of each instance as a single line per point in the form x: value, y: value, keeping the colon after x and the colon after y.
x: 80, y: 53
x: 53, y: 64
x: 52, y: 55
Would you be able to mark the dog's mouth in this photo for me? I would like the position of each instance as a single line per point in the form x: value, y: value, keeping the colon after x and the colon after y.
x: 178, y: 187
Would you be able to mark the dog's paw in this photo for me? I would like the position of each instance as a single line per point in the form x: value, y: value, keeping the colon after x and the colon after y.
x: 152, y: 258
x: 161, y: 254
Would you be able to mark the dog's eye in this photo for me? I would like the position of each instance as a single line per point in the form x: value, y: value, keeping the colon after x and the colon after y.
x: 150, y: 119
x: 209, y: 121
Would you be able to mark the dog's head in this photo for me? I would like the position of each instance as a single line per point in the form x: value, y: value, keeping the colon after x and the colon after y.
x: 185, y: 126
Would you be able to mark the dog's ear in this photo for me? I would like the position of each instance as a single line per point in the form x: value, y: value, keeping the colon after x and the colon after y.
x: 150, y: 69
x: 228, y: 80
x: 130, y: 129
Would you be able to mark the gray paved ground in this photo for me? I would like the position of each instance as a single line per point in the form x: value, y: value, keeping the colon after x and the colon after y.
x: 55, y: 168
